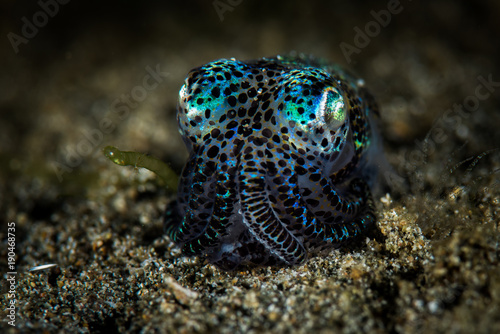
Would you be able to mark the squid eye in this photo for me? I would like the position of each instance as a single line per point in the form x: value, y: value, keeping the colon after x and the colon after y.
x: 332, y: 109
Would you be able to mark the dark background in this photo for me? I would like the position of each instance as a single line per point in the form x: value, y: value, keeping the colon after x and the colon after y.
x: 433, y: 47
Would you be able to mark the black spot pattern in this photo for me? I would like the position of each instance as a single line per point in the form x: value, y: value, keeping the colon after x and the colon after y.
x: 278, y: 166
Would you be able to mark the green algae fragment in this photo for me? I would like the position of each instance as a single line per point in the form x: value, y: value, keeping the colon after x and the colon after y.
x: 126, y: 158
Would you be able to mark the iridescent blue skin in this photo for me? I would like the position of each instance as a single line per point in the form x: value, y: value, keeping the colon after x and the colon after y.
x: 282, y: 157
